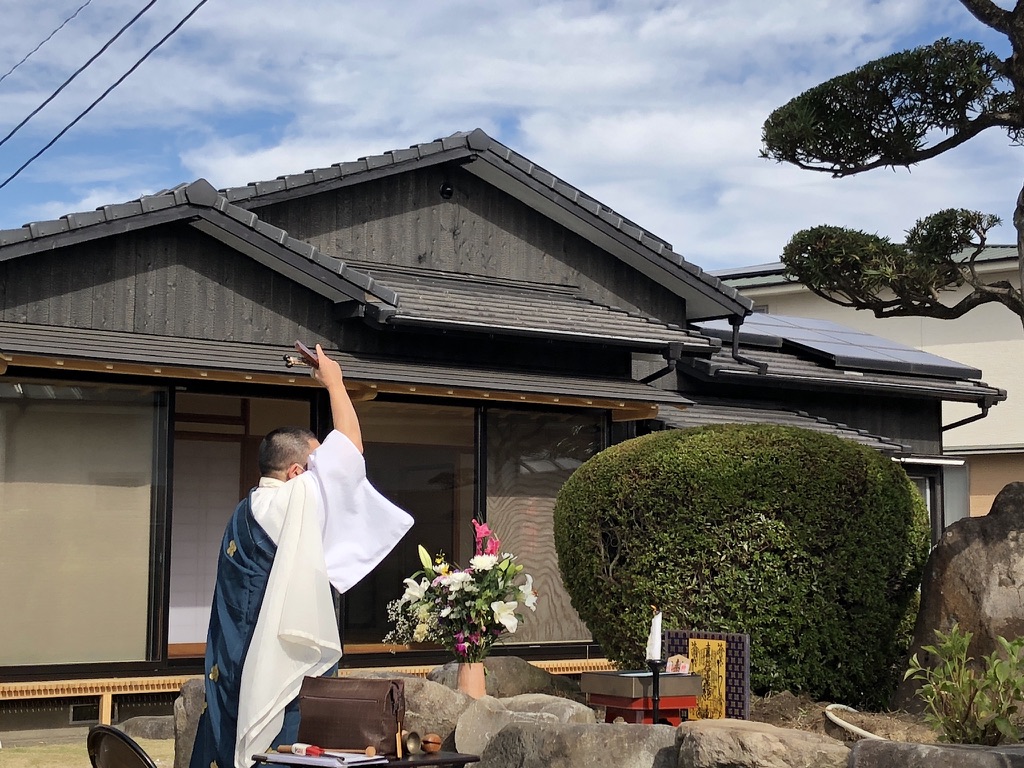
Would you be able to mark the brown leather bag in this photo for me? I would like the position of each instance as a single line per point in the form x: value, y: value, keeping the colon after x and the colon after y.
x: 352, y: 713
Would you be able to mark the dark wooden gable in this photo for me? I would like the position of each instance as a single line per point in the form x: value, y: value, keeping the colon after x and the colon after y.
x: 404, y: 220
x: 169, y: 281
x: 176, y: 281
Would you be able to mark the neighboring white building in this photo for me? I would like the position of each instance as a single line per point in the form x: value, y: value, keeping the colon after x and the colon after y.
x: 989, y: 338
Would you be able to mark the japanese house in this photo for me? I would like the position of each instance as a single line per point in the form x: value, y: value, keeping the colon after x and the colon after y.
x: 496, y: 325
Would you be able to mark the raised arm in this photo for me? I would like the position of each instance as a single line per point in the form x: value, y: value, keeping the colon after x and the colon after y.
x: 343, y: 412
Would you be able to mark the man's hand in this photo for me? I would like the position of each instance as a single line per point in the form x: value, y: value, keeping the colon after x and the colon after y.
x: 343, y: 413
x: 329, y: 372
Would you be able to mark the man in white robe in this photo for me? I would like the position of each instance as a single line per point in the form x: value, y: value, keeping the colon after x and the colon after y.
x: 313, y: 522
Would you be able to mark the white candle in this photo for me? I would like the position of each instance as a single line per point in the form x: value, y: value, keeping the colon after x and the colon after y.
x: 654, y: 638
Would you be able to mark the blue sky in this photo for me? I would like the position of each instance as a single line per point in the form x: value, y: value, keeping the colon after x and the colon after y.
x: 654, y: 108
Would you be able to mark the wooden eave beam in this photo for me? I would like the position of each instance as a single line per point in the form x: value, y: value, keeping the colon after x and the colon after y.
x: 359, y: 389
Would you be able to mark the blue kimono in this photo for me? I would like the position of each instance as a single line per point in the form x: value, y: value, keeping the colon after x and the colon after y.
x: 243, y: 567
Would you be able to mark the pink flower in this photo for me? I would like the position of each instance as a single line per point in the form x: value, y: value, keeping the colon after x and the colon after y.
x: 486, y: 542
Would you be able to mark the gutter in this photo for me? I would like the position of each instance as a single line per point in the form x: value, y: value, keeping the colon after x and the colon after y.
x: 736, y: 322
x: 826, y: 383
x: 673, y: 354
x: 985, y: 405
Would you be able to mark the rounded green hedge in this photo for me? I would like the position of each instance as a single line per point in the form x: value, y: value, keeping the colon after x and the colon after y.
x: 811, y: 544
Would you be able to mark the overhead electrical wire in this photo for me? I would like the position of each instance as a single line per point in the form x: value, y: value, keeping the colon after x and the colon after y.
x: 77, y: 72
x: 58, y: 29
x: 103, y: 95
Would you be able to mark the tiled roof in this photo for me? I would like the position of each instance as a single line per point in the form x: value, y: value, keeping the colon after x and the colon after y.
x: 478, y: 145
x: 450, y: 300
x: 706, y: 412
x: 199, y: 204
x: 794, y: 369
x: 428, y: 298
x: 712, y: 298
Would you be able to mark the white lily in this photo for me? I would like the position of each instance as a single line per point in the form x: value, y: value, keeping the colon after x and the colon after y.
x: 504, y: 613
x: 527, y: 594
x: 425, y: 559
x: 414, y: 592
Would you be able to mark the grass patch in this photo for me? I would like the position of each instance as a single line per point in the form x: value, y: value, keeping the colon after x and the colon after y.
x: 75, y: 755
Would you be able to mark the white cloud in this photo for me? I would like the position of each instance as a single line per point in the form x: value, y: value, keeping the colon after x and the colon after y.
x: 653, y: 107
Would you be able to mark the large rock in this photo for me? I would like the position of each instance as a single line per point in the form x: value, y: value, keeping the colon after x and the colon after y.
x: 187, y: 708
x: 895, y: 754
x: 566, y: 710
x: 486, y: 717
x: 747, y: 744
x: 149, y: 727
x: 510, y: 676
x: 432, y: 708
x: 543, y: 745
x: 974, y: 577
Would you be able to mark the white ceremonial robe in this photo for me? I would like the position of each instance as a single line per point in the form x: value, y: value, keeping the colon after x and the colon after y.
x: 329, y: 525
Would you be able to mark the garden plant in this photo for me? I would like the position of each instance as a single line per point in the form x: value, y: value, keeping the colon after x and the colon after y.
x: 967, y: 705
x: 811, y: 544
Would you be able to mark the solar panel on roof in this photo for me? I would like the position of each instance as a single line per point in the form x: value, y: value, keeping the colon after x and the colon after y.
x: 841, y: 346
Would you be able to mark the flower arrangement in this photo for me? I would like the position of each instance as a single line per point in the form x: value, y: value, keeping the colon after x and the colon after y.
x: 464, y: 610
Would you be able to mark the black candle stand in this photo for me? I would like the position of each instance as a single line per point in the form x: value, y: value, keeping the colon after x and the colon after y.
x: 655, y: 665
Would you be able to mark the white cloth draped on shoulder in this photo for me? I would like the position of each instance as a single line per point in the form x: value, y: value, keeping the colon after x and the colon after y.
x: 331, y: 527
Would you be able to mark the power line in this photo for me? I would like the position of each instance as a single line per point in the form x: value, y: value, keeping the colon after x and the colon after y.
x: 79, y: 71
x: 103, y: 95
x: 58, y: 29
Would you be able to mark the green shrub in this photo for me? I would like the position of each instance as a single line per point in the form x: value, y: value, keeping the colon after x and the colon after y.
x: 811, y: 544
x: 968, y: 707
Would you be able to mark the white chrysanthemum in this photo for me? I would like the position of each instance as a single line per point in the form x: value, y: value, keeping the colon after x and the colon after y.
x: 460, y: 580
x: 483, y: 562
x: 420, y: 633
x: 504, y: 614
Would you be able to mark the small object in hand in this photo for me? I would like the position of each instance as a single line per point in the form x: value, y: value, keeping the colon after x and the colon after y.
x: 307, y: 354
x: 431, y: 742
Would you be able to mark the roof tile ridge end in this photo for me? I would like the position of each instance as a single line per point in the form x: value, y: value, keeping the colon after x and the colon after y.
x: 201, y: 192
